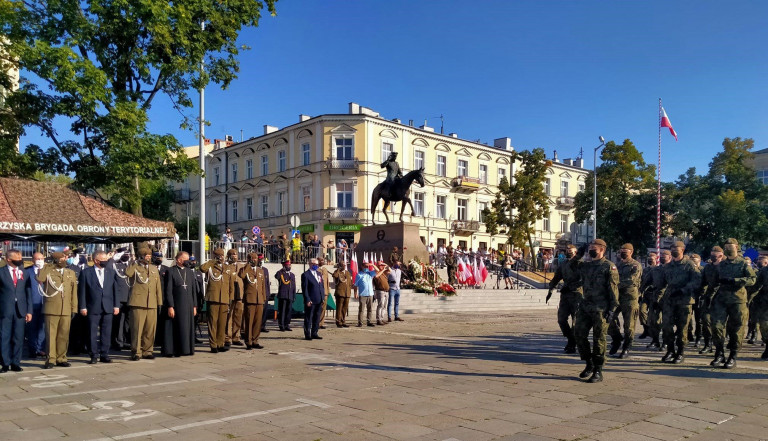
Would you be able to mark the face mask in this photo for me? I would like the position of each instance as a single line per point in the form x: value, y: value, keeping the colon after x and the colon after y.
x: 675, y: 254
x: 259, y: 263
x: 569, y: 255
x: 39, y: 264
x: 17, y: 262
x: 593, y: 254
x: 287, y: 267
x: 187, y: 264
x: 729, y: 252
x: 232, y: 259
x: 624, y: 255
x: 396, y: 267
x: 314, y: 267
x: 125, y: 258
x: 61, y: 264
x: 158, y: 261
x: 97, y: 263
x: 70, y: 261
x: 252, y: 264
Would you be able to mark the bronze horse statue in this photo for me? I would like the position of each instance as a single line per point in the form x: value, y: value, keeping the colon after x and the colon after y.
x: 398, y: 190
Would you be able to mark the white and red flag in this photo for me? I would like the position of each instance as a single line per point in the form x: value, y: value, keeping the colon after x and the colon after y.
x: 483, y: 270
x: 665, y: 123
x: 352, y: 266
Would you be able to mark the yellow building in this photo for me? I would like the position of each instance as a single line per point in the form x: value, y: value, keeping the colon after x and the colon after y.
x: 760, y: 164
x: 324, y: 169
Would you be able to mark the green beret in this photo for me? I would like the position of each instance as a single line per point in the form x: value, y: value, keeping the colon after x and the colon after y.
x: 232, y: 252
x: 218, y: 252
x: 628, y: 246
x: 717, y: 249
x: 732, y: 241
x: 253, y: 256
x: 679, y: 244
x: 665, y: 252
x: 144, y: 251
x: 600, y: 242
x: 695, y: 256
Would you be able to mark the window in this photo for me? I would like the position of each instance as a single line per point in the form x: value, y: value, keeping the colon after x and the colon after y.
x: 483, y: 174
x: 418, y: 204
x: 481, y: 206
x: 461, y: 213
x: 305, y: 153
x: 441, y: 165
x: 264, y: 165
x: 463, y: 166
x: 234, y: 211
x: 280, y: 203
x: 762, y: 176
x: 233, y: 178
x: 249, y: 208
x: 581, y: 186
x: 440, y: 207
x: 563, y: 188
x: 386, y: 149
x: 344, y: 147
x: 215, y: 176
x: 483, y: 246
x: 546, y: 186
x: 215, y: 213
x: 463, y: 244
x: 281, y: 161
x: 545, y: 224
x: 306, y: 198
x: 563, y: 223
x: 418, y: 160
x: 502, y: 173
x: 249, y: 169
x: 344, y: 195
x: 264, y: 206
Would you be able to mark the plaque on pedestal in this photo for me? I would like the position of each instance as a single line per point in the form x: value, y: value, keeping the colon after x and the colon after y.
x: 381, y: 239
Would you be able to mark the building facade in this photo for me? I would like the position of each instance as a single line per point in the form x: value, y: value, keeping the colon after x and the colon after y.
x: 324, y: 169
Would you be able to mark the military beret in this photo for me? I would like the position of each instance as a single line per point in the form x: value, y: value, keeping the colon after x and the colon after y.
x: 58, y: 256
x: 717, y: 249
x: 678, y: 244
x: 600, y: 242
x: 232, y: 252
x: 260, y: 255
x: 732, y: 241
x: 218, y: 252
x: 286, y: 261
x: 253, y: 256
x: 695, y: 256
x: 666, y: 252
x: 628, y: 246
x: 144, y: 251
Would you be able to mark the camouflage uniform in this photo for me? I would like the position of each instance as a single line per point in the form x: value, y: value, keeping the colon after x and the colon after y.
x: 708, y: 290
x: 570, y: 296
x: 642, y: 311
x: 601, y: 280
x: 653, y: 296
x: 681, y: 279
x: 759, y: 301
x: 730, y: 303
x: 630, y: 273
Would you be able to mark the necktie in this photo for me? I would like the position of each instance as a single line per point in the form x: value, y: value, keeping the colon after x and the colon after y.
x: 15, y: 280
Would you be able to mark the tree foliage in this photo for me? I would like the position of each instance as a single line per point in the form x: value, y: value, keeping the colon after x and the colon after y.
x: 97, y: 67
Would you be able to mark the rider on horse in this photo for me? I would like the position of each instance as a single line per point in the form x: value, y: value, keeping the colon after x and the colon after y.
x: 393, y: 168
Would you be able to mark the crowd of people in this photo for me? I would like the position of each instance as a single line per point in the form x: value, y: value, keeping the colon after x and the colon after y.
x: 62, y: 305
x: 675, y: 298
x: 280, y: 247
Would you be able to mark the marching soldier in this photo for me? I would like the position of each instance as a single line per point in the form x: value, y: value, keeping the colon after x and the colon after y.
x: 221, y: 282
x: 694, y: 326
x: 570, y: 295
x: 752, y: 292
x: 59, y: 303
x: 729, y: 306
x: 653, y: 295
x: 643, y: 311
x: 254, y: 300
x: 235, y: 315
x: 681, y: 280
x: 146, y: 296
x: 601, y: 298
x: 630, y: 273
x: 759, y: 302
x: 343, y: 281
x: 286, y: 293
x: 709, y: 276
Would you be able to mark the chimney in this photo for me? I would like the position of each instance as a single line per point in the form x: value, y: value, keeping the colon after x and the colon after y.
x: 369, y: 112
x: 453, y: 135
x: 303, y: 117
x: 354, y: 108
x: 270, y: 129
x: 503, y: 144
x: 578, y: 162
x: 427, y: 128
x: 410, y: 122
x: 397, y: 120
x: 567, y: 161
x: 554, y: 157
x: 228, y: 138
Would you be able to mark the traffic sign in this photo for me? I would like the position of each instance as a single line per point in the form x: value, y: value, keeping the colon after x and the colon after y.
x: 256, y: 230
x: 295, y: 221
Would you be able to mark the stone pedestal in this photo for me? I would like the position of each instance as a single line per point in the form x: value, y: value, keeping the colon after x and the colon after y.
x: 382, y: 238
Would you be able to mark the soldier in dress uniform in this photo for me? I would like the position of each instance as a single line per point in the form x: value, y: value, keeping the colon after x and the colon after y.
x: 221, y: 283
x: 235, y: 315
x: 121, y: 333
x: 260, y: 264
x: 145, y: 298
x: 254, y: 300
x: 342, y: 278
x: 59, y: 303
x: 286, y: 293
x: 157, y: 260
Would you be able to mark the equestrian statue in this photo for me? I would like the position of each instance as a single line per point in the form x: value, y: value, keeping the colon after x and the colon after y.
x: 396, y: 187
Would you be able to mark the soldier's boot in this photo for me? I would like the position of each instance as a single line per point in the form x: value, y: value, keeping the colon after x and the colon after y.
x: 587, y: 370
x: 730, y: 363
x: 696, y: 343
x: 615, y: 346
x: 653, y: 345
x: 597, y: 376
x: 765, y: 354
x: 570, y: 348
x: 669, y: 356
x: 625, y: 349
x: 719, y: 358
x: 645, y: 333
x: 752, y: 333
x: 679, y: 358
x: 706, y: 348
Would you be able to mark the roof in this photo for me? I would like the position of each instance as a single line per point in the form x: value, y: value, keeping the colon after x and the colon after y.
x: 48, y: 211
x: 760, y: 152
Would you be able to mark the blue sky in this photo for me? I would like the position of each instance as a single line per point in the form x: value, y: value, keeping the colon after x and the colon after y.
x: 551, y: 74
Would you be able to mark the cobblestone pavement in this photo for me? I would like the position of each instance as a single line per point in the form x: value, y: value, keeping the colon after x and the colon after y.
x: 433, y: 377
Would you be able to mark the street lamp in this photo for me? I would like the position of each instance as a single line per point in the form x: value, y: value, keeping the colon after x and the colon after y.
x: 594, y: 194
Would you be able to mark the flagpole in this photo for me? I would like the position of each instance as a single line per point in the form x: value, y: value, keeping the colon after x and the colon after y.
x: 658, y: 191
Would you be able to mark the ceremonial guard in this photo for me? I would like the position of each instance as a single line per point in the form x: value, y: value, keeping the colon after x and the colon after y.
x: 59, y: 304
x: 121, y: 331
x: 221, y: 282
x: 146, y: 296
x: 681, y: 281
x: 343, y: 281
x: 235, y: 315
x: 286, y: 293
x: 630, y: 273
x: 254, y: 300
x: 180, y: 302
x: 570, y: 295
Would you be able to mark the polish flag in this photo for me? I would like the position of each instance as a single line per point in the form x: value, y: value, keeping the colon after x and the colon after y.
x: 665, y: 123
x: 483, y: 270
x: 352, y: 266
x: 460, y: 271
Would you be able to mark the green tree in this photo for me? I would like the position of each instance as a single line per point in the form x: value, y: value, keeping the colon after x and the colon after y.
x: 520, y: 204
x: 626, y: 205
x: 99, y: 66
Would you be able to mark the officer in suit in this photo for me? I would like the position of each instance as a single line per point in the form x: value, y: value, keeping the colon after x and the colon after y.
x: 121, y: 332
x: 15, y: 310
x: 254, y: 300
x: 97, y: 300
x: 146, y: 296
x: 343, y: 281
x: 312, y: 286
x: 286, y: 293
x: 221, y: 283
x: 35, y: 330
x: 59, y: 304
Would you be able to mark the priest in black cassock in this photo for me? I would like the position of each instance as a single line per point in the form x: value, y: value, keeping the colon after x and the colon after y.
x: 180, y: 304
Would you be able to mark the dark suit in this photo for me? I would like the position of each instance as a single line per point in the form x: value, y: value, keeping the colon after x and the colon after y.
x: 15, y: 304
x: 286, y: 292
x: 35, y: 332
x: 314, y: 292
x: 269, y: 286
x: 100, y: 303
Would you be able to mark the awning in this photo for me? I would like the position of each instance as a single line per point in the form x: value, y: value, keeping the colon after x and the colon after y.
x: 51, y: 212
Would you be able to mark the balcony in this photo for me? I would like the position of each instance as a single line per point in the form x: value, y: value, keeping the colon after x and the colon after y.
x: 342, y: 164
x: 342, y: 213
x: 465, y: 228
x: 181, y: 195
x: 465, y: 184
x: 566, y: 201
